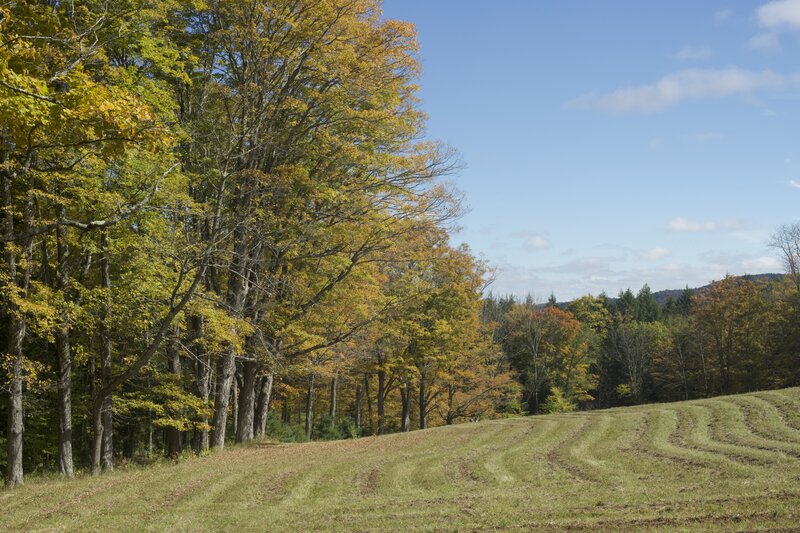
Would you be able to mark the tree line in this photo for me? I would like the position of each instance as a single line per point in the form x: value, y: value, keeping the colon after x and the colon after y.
x: 209, y: 208
x: 739, y: 334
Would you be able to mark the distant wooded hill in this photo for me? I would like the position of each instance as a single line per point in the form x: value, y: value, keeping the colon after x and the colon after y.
x: 662, y: 296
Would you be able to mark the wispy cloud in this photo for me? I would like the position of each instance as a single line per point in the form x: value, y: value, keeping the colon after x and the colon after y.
x: 593, y: 274
x: 761, y: 264
x: 533, y: 241
x: 537, y: 242
x: 765, y: 42
x: 692, y: 53
x: 794, y: 183
x: 655, y: 254
x: 780, y: 14
x: 681, y: 224
x: 689, y: 84
x: 585, y: 266
x: 774, y: 17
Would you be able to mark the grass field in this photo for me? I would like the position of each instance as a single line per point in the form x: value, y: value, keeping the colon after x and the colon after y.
x: 729, y: 463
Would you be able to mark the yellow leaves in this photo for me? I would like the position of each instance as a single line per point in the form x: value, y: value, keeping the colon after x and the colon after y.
x: 167, y: 402
x: 38, y: 307
x: 221, y: 330
x: 33, y: 372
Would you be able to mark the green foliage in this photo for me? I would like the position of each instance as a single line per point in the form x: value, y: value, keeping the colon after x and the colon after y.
x: 284, y: 432
x: 326, y: 428
x: 558, y: 402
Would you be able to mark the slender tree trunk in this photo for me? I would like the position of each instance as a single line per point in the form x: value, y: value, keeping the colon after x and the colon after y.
x: 16, y: 428
x: 173, y: 437
x: 150, y: 441
x: 202, y: 366
x: 405, y: 398
x: 309, y: 405
x: 226, y: 365
x: 97, y: 436
x: 65, y: 465
x: 423, y: 404
x: 247, y: 401
x: 107, y: 428
x: 381, y: 401
x: 262, y: 409
x: 285, y: 418
x: 357, y: 414
x: 369, y: 403
x: 450, y: 418
x: 235, y: 408
x: 63, y: 349
x: 332, y: 410
x: 16, y: 338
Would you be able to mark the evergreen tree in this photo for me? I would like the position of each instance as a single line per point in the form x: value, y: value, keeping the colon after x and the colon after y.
x: 647, y: 308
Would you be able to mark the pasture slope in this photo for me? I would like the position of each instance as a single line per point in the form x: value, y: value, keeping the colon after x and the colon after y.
x: 729, y: 463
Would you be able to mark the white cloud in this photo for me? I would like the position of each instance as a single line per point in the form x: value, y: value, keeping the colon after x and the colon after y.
x: 537, y: 242
x: 585, y: 266
x: 753, y: 236
x: 762, y: 264
x: 765, y: 42
x: 689, y: 84
x: 681, y: 224
x: 692, y: 53
x: 780, y: 14
x: 593, y: 274
x: 533, y: 241
x: 655, y: 254
x: 794, y: 183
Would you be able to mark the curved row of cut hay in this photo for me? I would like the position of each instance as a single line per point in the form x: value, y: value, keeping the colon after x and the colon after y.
x: 729, y: 463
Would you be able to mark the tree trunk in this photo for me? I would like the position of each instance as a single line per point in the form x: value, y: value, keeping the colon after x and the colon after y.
x: 16, y: 338
x: 285, y: 411
x: 405, y: 398
x: 173, y: 437
x: 451, y: 393
x: 309, y: 400
x: 65, y: 465
x: 357, y: 414
x: 423, y: 404
x: 63, y: 349
x: 202, y: 367
x: 262, y: 409
x: 369, y: 403
x: 226, y: 365
x: 97, y: 436
x: 332, y: 410
x: 247, y: 402
x: 235, y: 408
x: 107, y: 427
x: 381, y: 401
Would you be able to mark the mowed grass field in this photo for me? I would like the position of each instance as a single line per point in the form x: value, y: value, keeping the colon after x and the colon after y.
x: 729, y: 463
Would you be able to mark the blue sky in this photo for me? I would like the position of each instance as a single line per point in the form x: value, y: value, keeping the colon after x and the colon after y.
x: 610, y: 144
